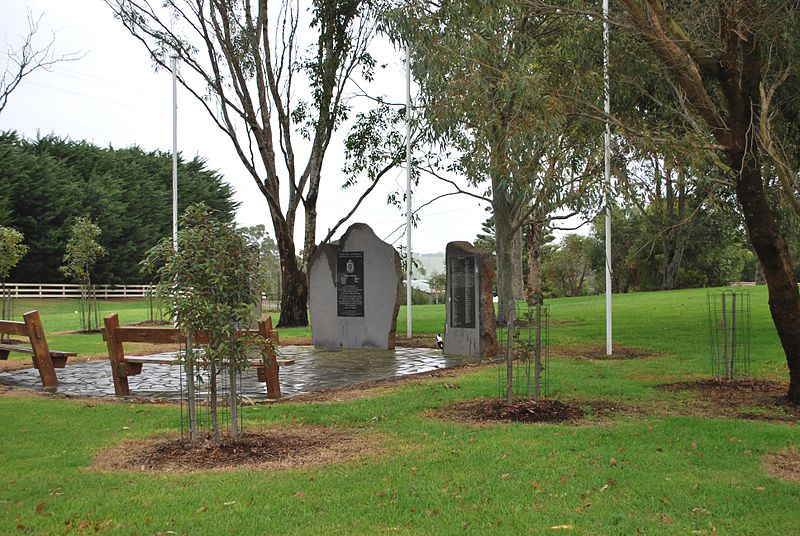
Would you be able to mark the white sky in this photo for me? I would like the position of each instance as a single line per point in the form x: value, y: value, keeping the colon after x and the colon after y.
x: 112, y: 96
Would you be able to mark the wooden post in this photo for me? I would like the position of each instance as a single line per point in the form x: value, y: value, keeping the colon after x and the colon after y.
x: 115, y: 355
x: 41, y: 352
x: 270, y: 360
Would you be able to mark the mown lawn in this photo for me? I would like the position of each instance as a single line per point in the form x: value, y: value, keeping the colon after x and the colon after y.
x: 656, y: 471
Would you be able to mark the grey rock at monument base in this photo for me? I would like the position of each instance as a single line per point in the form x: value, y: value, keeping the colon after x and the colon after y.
x: 361, y: 311
x: 470, y: 320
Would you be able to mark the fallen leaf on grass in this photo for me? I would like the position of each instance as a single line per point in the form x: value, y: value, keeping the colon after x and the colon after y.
x: 39, y: 507
x: 505, y: 476
x: 201, y: 509
x: 760, y: 488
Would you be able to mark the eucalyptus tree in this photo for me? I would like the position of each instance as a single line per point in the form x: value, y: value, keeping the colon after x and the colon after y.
x: 274, y: 95
x: 733, y: 67
x: 487, y: 73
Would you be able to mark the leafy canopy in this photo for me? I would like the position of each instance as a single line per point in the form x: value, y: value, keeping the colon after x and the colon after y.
x: 210, y: 282
x: 11, y: 250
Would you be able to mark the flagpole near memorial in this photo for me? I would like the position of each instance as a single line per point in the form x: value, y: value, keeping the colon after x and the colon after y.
x: 174, y: 67
x: 607, y: 143
x: 409, y: 255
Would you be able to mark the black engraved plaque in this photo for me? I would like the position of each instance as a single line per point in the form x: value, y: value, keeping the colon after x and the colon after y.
x: 462, y: 291
x: 350, y: 284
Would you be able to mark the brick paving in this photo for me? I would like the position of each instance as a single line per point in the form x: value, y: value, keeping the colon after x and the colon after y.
x: 314, y: 370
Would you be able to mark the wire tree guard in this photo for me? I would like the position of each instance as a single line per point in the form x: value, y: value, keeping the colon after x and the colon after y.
x: 729, y: 333
x: 196, y: 398
x: 527, y: 354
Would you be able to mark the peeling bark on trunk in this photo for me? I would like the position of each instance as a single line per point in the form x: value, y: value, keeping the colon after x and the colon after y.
x: 505, y: 287
x: 517, y: 276
x: 533, y: 239
x: 294, y: 284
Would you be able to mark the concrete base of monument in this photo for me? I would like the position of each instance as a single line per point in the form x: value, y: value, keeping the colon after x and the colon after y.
x: 314, y: 370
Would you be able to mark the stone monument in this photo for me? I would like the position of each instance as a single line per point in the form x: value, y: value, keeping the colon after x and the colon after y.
x: 354, y: 290
x: 470, y: 325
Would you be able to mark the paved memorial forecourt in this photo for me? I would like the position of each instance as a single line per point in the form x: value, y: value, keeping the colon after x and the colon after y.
x: 314, y: 370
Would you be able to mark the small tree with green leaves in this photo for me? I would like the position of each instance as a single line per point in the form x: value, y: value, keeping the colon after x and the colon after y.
x: 210, y: 283
x: 11, y: 252
x: 437, y: 281
x: 83, y: 250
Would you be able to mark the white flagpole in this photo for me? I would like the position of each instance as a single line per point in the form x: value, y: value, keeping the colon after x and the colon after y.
x: 174, y: 67
x: 607, y: 140
x: 409, y: 255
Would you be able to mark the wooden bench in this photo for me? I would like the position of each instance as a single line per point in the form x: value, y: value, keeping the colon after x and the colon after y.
x: 44, y: 359
x: 123, y: 366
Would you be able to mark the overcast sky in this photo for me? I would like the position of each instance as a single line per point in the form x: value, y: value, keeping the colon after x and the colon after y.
x: 112, y: 96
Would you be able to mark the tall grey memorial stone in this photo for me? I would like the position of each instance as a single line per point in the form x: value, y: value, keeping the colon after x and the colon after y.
x: 354, y: 291
x: 470, y: 325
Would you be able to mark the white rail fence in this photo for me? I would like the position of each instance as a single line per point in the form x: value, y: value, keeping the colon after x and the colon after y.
x: 72, y: 290
x: 67, y: 290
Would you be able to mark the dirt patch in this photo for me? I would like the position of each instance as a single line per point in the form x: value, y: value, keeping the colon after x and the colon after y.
x: 763, y: 400
x: 598, y: 352
x: 784, y: 464
x: 272, y: 448
x: 496, y: 410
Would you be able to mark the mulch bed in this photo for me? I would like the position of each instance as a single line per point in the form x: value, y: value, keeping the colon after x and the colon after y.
x: 598, y: 353
x: 273, y: 448
x: 496, y: 410
x: 742, y: 398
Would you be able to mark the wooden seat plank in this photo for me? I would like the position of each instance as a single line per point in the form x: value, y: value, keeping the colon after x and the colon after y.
x: 11, y: 327
x: 151, y: 359
x: 16, y: 348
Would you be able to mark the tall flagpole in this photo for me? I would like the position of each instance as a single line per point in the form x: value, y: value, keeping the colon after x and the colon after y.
x: 607, y: 140
x: 409, y: 255
x: 174, y: 67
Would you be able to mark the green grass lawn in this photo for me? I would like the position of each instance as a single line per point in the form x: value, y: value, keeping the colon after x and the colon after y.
x: 648, y: 472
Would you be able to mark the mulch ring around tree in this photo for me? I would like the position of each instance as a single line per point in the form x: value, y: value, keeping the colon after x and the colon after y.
x: 742, y: 399
x: 485, y: 410
x: 274, y: 448
x: 597, y: 352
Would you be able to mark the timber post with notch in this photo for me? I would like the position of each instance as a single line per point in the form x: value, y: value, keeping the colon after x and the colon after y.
x: 122, y: 366
x: 44, y: 359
